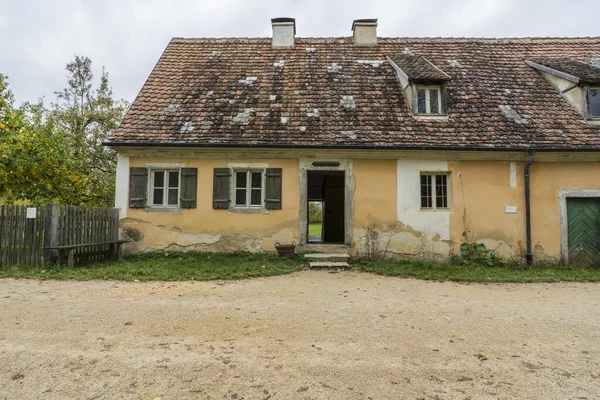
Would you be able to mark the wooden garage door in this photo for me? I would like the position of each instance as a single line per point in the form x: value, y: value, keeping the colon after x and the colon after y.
x: 583, y: 216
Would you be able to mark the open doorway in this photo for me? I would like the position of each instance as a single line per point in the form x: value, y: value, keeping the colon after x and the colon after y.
x: 326, y: 197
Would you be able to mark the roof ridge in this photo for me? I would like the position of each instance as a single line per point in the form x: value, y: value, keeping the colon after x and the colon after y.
x: 400, y: 38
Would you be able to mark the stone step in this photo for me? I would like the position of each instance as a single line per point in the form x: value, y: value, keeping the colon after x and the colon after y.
x: 331, y: 257
x: 324, y: 248
x: 328, y: 264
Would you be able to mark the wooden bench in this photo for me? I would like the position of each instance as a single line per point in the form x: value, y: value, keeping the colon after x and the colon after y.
x: 115, y: 254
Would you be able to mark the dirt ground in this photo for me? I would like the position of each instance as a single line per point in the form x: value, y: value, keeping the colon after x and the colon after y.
x: 309, y: 335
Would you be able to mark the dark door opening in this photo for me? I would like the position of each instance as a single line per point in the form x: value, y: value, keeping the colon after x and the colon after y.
x: 326, y: 194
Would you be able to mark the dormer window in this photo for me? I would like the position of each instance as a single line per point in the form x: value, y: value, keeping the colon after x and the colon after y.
x: 594, y: 102
x: 429, y: 99
x: 578, y: 82
x: 422, y: 82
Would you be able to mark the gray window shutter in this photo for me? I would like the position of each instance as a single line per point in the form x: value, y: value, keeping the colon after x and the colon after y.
x: 221, y: 180
x: 273, y: 189
x: 138, y: 187
x: 189, y: 184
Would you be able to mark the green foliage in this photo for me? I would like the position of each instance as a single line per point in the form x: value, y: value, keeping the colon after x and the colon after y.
x: 170, y: 266
x: 57, y: 155
x: 35, y: 161
x: 86, y: 117
x: 478, y: 253
x: 315, y: 212
x: 478, y: 273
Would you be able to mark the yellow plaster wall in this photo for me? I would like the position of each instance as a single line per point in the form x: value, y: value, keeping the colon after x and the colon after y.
x: 487, y: 191
x: 374, y: 190
x: 204, y: 226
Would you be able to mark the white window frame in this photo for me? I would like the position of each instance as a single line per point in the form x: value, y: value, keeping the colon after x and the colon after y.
x: 165, y: 187
x: 434, y: 206
x: 427, y: 89
x: 248, y: 188
x: 589, y: 102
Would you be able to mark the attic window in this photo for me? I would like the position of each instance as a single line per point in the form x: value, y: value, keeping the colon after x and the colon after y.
x: 594, y: 102
x: 429, y: 99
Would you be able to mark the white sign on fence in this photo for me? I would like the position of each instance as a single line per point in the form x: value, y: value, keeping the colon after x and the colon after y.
x: 31, y: 212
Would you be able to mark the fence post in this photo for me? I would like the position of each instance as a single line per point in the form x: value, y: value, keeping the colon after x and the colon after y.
x: 51, y: 232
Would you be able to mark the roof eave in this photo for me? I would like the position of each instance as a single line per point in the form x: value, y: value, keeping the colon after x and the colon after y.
x: 553, y: 71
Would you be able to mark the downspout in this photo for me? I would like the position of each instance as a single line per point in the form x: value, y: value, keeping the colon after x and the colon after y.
x: 529, y: 256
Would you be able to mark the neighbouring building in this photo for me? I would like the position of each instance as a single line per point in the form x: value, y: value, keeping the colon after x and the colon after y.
x: 416, y: 143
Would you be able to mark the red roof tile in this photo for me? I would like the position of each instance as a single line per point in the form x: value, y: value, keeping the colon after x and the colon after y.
x: 329, y: 92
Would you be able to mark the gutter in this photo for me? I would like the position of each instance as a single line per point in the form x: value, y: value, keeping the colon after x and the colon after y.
x: 349, y: 147
x: 529, y: 255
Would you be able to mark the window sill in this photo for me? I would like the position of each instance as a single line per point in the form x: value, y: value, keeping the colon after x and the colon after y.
x: 434, y: 210
x: 593, y: 121
x: 431, y: 117
x: 240, y: 210
x: 173, y: 210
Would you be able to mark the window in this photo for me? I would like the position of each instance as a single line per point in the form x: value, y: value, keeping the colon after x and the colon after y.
x: 164, y: 188
x: 434, y: 191
x: 429, y: 100
x: 595, y: 102
x: 248, y: 187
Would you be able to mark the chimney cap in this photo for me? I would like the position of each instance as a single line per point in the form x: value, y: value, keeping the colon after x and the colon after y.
x: 284, y: 21
x: 364, y: 21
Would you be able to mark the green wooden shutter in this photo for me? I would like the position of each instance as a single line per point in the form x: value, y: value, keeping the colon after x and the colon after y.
x: 138, y: 187
x: 221, y: 180
x: 273, y: 189
x: 189, y: 184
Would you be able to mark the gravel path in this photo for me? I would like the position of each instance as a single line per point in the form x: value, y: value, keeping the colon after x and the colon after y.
x: 309, y: 335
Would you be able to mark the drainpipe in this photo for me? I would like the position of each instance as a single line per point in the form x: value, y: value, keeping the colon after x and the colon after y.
x: 529, y: 256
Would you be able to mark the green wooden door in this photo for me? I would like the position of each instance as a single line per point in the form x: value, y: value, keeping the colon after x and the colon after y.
x: 583, y: 216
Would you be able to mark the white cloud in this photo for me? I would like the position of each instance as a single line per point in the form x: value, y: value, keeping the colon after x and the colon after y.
x: 38, y: 38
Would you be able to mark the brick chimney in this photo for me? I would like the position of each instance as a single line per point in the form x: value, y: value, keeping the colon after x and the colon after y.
x: 284, y: 31
x: 365, y: 32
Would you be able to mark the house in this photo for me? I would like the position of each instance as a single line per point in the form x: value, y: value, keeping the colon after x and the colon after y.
x: 417, y: 143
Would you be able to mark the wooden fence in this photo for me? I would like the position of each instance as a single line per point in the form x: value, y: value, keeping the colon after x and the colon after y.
x: 26, y: 231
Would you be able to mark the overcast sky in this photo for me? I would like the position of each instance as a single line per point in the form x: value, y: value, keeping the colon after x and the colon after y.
x: 38, y: 38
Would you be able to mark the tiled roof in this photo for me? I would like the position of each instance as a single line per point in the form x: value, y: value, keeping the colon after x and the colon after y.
x: 418, y: 69
x: 329, y: 92
x: 581, y: 70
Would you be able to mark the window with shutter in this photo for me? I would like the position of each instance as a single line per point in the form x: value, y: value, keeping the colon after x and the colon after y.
x: 273, y: 189
x: 221, y: 188
x: 189, y: 184
x: 138, y: 187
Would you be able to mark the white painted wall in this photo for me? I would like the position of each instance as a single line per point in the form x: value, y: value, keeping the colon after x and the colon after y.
x: 430, y: 223
x: 122, y: 186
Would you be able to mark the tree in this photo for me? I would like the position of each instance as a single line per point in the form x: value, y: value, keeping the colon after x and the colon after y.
x: 35, y: 161
x: 86, y: 116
